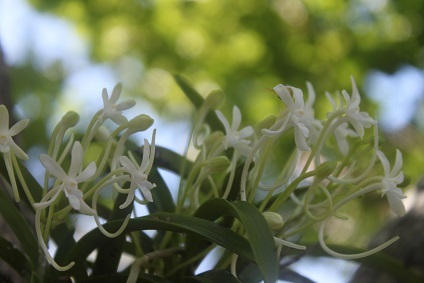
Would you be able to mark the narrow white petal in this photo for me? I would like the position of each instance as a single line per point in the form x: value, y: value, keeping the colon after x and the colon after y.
x: 116, y: 92
x: 246, y: 132
x: 4, y: 119
x: 224, y: 121
x: 397, y: 167
x: 77, y: 156
x: 88, y: 172
x: 384, y: 162
x: 285, y: 96
x: 396, y: 203
x: 146, y: 194
x: 18, y: 127
x: 53, y: 167
x: 128, y: 165
x: 236, y: 119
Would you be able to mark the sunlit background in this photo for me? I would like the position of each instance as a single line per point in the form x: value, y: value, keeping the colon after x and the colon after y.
x: 62, y: 54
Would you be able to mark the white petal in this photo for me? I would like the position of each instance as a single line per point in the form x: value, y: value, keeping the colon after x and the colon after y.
x: 224, y: 121
x: 129, y: 199
x: 146, y: 155
x: 147, y: 194
x: 18, y: 127
x: 4, y: 119
x: 300, y: 140
x: 128, y: 165
x: 246, y: 132
x: 384, y: 162
x: 53, y: 167
x: 85, y: 209
x: 87, y: 173
x: 126, y: 104
x: 77, y: 156
x: 236, y: 119
x: 285, y: 96
x: 311, y: 94
x: 116, y: 92
x: 397, y: 167
x: 396, y: 203
x: 105, y: 98
x: 18, y: 151
x: 298, y: 98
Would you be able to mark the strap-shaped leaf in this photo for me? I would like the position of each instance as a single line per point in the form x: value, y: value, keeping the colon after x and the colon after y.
x: 163, y: 201
x: 260, y: 237
x: 19, y: 226
x: 15, y: 258
x: 208, y: 230
x: 213, y: 276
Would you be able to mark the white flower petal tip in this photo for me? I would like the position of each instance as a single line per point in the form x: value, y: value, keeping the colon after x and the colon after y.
x: 7, y: 144
x: 234, y: 137
x: 113, y: 110
x: 391, y: 180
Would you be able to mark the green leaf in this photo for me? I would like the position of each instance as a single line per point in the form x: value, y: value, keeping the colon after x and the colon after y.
x: 19, y: 226
x: 170, y: 160
x: 208, y: 230
x: 15, y: 259
x: 260, y: 236
x: 213, y: 276
x: 118, y: 278
x: 163, y: 201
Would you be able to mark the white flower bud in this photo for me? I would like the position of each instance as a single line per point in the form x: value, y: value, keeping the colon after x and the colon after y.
x: 275, y: 221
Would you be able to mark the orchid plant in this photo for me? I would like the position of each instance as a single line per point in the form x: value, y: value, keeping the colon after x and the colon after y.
x: 225, y: 198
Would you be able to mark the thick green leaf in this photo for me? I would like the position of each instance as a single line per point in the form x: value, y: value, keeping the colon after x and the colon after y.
x: 170, y: 160
x: 163, y: 201
x: 257, y: 230
x: 122, y: 278
x: 208, y: 230
x: 213, y: 276
x: 15, y: 259
x: 19, y: 226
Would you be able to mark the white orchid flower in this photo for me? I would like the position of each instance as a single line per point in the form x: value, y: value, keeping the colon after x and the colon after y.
x: 111, y: 109
x: 69, y: 182
x: 233, y: 136
x: 391, y: 180
x: 6, y: 142
x: 139, y: 174
x: 359, y: 120
x: 299, y: 115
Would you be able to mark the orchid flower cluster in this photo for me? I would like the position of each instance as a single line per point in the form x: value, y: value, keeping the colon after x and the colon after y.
x: 326, y: 167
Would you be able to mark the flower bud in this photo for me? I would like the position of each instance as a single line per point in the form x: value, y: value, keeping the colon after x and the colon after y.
x: 275, y: 221
x: 214, y: 99
x: 213, y: 138
x: 325, y: 169
x: 140, y: 123
x: 218, y: 164
x: 70, y: 119
x: 102, y: 134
